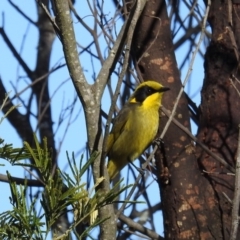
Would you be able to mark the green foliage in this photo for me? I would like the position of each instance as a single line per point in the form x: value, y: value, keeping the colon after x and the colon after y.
x: 23, y: 221
x: 61, y: 193
x: 9, y: 110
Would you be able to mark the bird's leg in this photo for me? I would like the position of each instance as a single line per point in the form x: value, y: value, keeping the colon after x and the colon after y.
x: 140, y: 170
x: 159, y: 142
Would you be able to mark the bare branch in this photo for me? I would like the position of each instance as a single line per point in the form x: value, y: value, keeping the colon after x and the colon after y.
x: 22, y: 181
x: 126, y: 30
x: 19, y: 121
x: 22, y: 13
x: 15, y: 53
x: 139, y: 227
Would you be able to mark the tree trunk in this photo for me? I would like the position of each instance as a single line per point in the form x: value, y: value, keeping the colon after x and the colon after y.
x: 219, y: 110
x: 190, y: 209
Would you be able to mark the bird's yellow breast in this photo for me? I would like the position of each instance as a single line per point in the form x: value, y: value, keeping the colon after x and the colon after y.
x: 139, y: 131
x: 135, y: 126
x: 143, y: 129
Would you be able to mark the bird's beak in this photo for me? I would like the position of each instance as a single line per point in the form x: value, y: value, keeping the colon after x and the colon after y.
x: 164, y: 89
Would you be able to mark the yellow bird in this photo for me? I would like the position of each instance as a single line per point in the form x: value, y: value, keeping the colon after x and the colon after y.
x: 135, y: 126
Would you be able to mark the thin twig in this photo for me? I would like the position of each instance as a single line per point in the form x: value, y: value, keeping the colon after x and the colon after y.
x: 43, y: 77
x: 117, y: 48
x: 234, y: 85
x: 34, y: 175
x: 20, y: 60
x: 204, y: 147
x: 227, y: 197
x: 129, y: 195
x: 22, y: 13
x: 93, y: 32
x: 152, y: 42
x: 139, y: 227
x: 236, y: 197
x: 51, y: 19
x: 188, y: 72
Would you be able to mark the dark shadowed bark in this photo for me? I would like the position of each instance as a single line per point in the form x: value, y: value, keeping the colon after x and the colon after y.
x: 219, y: 110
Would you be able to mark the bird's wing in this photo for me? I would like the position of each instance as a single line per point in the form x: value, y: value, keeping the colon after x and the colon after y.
x: 120, y: 123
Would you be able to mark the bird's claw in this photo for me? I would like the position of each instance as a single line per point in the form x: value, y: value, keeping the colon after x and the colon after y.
x: 159, y: 142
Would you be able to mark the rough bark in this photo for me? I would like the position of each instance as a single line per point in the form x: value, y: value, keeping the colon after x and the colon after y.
x: 219, y: 110
x: 189, y: 207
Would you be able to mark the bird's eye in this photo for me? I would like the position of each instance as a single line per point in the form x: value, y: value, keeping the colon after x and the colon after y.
x: 149, y: 90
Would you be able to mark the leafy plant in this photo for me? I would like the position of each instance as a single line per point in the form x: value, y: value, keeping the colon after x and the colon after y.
x: 62, y: 193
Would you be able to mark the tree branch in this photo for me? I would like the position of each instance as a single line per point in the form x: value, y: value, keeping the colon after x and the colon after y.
x: 140, y: 228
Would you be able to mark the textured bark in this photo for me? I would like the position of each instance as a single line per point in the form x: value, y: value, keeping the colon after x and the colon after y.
x: 190, y: 209
x: 220, y: 115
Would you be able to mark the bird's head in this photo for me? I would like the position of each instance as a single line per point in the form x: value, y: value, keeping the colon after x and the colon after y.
x: 148, y: 93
